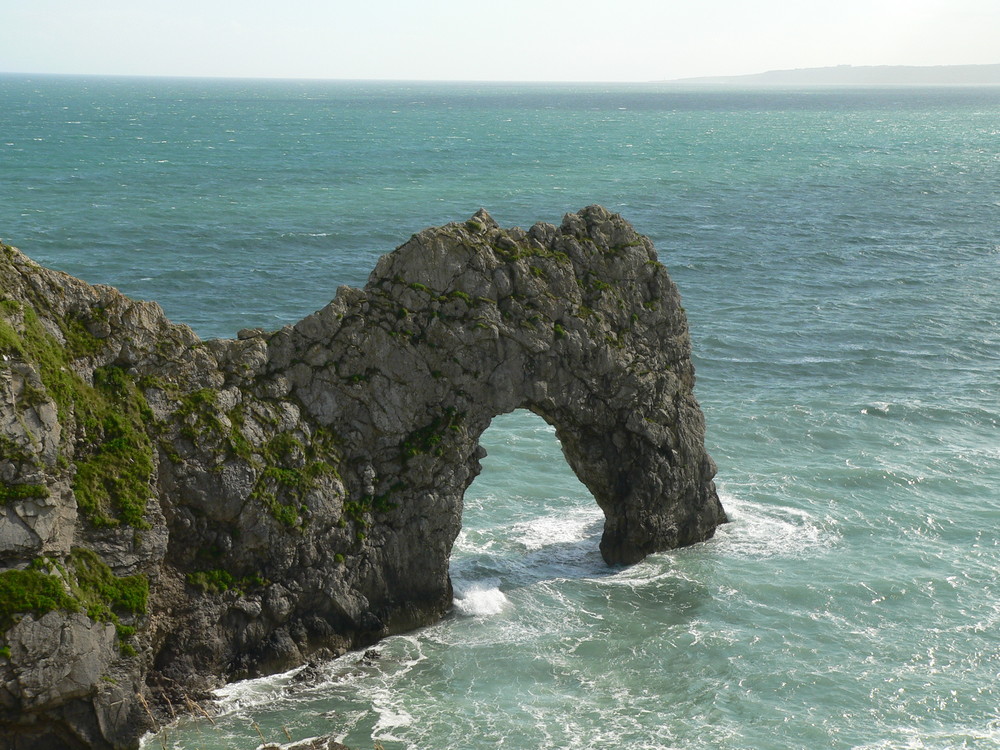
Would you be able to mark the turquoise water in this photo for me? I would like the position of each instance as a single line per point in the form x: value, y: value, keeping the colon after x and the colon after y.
x: 838, y: 252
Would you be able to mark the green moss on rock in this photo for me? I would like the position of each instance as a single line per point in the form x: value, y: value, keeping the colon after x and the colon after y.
x: 87, y: 585
x: 291, y: 469
x: 217, y: 581
x: 115, y: 467
x: 31, y: 592
x: 428, y: 439
x: 11, y: 493
x: 201, y: 419
x: 113, y: 454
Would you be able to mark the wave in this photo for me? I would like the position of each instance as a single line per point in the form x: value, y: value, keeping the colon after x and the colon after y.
x: 911, y: 738
x: 261, y: 691
x: 480, y: 599
x: 569, y: 526
x: 761, y: 530
x: 877, y: 409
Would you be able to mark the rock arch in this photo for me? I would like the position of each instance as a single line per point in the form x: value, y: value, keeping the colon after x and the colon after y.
x: 579, y: 324
x: 299, y: 491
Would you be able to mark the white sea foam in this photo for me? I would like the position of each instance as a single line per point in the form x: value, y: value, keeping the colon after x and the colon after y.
x: 877, y: 409
x: 232, y: 700
x: 481, y: 599
x: 910, y: 738
x: 259, y: 691
x: 760, y: 530
x: 391, y: 716
x: 572, y: 525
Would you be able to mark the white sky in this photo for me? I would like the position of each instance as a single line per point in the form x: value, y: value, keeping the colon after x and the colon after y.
x: 510, y: 40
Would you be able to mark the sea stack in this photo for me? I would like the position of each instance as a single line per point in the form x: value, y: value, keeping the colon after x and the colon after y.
x: 177, y: 513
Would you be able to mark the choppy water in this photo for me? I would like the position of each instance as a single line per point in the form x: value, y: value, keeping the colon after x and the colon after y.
x: 838, y: 253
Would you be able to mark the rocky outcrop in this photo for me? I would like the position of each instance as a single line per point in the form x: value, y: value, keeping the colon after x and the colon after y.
x: 175, y: 512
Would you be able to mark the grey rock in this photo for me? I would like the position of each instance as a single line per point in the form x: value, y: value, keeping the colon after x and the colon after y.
x: 58, y: 657
x: 305, y: 485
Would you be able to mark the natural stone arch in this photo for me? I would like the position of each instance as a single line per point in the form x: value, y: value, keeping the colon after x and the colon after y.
x: 299, y: 491
x: 579, y: 324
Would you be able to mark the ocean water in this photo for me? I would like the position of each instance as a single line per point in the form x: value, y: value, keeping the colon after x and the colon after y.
x: 838, y: 252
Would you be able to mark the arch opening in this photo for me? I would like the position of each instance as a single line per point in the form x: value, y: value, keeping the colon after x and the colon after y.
x: 526, y: 518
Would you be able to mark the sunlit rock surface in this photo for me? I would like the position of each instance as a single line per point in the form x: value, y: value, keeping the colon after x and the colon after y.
x: 190, y: 512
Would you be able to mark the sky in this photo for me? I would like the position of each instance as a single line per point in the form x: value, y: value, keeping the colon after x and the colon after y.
x: 510, y: 40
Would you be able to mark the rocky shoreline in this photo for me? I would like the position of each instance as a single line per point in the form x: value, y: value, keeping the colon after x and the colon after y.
x: 178, y: 513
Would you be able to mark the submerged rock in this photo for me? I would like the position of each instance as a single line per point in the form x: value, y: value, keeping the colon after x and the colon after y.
x: 188, y: 512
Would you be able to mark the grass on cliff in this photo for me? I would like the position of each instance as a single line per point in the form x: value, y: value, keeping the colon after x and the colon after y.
x: 86, y: 585
x: 218, y: 580
x: 199, y: 416
x: 428, y: 439
x: 10, y: 493
x: 112, y: 482
x: 288, y: 467
x: 31, y: 591
x: 291, y: 470
x: 103, y: 594
x: 112, y: 452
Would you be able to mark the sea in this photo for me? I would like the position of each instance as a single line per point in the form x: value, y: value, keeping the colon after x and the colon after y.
x: 838, y: 255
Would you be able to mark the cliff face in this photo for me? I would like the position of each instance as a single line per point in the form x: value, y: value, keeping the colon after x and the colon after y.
x: 175, y: 513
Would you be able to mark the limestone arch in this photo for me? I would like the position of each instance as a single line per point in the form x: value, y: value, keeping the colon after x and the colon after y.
x: 634, y: 458
x: 579, y: 324
x: 324, y: 465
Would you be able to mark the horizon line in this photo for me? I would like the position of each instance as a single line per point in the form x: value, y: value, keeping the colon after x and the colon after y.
x: 682, y: 81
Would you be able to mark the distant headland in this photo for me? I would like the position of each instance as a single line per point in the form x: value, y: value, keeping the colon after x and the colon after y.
x: 862, y: 75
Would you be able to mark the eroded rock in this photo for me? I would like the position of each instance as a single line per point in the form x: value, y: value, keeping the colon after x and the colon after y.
x: 296, y: 493
x: 59, y: 657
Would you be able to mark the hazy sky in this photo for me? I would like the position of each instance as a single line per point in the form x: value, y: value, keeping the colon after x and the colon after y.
x: 518, y: 40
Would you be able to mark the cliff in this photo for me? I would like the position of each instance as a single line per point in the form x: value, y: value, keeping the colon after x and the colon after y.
x: 175, y: 513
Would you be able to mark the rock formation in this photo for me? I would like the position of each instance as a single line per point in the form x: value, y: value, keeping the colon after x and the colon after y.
x: 175, y: 513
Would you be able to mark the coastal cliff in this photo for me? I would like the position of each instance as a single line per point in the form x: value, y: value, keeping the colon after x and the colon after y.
x: 175, y: 513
